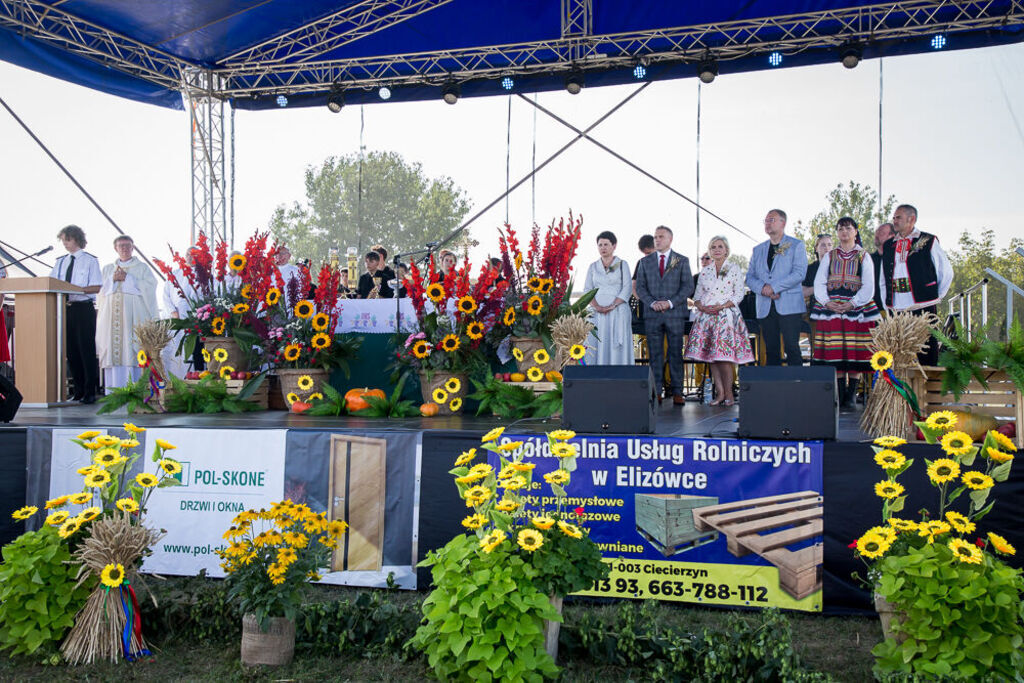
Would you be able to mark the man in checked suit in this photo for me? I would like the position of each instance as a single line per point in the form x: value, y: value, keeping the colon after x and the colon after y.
x: 663, y: 283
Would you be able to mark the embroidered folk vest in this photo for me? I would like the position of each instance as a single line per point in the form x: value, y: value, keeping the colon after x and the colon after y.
x: 924, y: 282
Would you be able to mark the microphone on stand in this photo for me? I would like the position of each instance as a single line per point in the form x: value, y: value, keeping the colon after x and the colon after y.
x: 25, y: 258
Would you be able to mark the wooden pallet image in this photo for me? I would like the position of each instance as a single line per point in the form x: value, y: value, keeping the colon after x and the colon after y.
x: 765, y: 527
x: 666, y: 521
x: 697, y: 539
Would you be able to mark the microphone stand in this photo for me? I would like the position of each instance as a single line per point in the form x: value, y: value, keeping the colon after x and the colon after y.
x: 25, y: 258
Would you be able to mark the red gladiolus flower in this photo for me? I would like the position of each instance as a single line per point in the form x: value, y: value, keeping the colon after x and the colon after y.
x: 578, y: 511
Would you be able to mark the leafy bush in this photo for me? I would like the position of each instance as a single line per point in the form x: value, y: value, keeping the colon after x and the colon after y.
x: 374, y: 625
x: 38, y: 595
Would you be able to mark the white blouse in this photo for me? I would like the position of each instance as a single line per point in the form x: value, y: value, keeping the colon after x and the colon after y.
x: 715, y: 288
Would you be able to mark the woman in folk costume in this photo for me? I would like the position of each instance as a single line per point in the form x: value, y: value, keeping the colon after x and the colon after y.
x: 127, y: 298
x: 844, y: 311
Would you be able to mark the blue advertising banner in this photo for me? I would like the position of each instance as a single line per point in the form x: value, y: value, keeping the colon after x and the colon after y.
x: 713, y: 521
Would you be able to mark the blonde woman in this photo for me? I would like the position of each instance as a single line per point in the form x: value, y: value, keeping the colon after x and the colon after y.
x: 719, y: 336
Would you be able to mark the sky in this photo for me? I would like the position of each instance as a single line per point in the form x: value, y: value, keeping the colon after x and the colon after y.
x: 952, y: 131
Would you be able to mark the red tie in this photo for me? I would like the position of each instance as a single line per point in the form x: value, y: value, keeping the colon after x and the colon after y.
x: 661, y: 266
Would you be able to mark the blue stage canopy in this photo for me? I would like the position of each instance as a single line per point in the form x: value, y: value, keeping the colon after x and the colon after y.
x: 268, y: 54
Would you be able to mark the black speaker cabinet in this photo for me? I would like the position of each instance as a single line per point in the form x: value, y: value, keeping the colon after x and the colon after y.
x: 10, y: 399
x: 796, y: 403
x: 612, y: 399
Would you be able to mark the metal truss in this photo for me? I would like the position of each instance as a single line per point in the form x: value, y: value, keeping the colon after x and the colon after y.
x: 577, y: 25
x: 209, y: 181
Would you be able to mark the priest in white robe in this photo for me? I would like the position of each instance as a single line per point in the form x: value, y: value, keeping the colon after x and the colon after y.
x: 127, y: 298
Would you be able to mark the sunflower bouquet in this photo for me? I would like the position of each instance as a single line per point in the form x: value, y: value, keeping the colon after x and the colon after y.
x: 946, y: 587
x: 512, y: 548
x: 271, y: 552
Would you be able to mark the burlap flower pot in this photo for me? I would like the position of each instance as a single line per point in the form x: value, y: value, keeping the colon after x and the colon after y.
x: 273, y: 647
x: 530, y: 345
x: 443, y: 382
x: 297, y: 382
x: 236, y: 358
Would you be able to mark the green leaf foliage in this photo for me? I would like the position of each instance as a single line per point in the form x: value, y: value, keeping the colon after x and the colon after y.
x: 513, y: 402
x: 210, y: 395
x: 132, y: 396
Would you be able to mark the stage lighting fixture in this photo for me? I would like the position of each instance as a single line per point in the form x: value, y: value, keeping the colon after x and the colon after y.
x: 384, y: 92
x: 850, y: 55
x: 282, y: 101
x: 507, y: 83
x: 335, y: 101
x: 640, y: 72
x: 450, y: 93
x: 938, y: 42
x: 707, y: 70
x: 775, y: 58
x: 574, y: 82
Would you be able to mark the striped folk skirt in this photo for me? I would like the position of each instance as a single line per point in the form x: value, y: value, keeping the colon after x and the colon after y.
x: 841, y: 339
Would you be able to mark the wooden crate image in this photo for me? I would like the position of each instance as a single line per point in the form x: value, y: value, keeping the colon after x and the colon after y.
x: 666, y: 521
x: 1002, y: 399
x: 357, y: 496
x: 766, y: 526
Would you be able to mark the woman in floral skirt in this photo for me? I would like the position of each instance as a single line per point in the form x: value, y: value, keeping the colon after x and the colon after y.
x: 719, y: 335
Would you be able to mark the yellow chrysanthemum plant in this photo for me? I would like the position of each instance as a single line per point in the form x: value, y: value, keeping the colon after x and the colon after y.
x: 271, y: 552
x: 513, y: 547
x: 942, y: 574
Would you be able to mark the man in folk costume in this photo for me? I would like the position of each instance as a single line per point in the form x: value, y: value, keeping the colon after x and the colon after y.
x: 776, y: 274
x: 663, y: 283
x: 127, y: 298
x: 916, y: 273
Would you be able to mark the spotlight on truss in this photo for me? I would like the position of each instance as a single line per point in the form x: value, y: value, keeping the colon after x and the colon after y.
x: 384, y: 92
x: 775, y: 58
x: 707, y: 70
x: 507, y: 83
x: 574, y: 82
x: 335, y: 101
x: 450, y: 93
x: 850, y: 55
x: 639, y: 72
x: 938, y: 42
x: 282, y: 101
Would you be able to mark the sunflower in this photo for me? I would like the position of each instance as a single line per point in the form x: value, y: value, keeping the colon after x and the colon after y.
x: 24, y: 513
x: 493, y: 434
x: 421, y: 348
x: 888, y: 489
x: 170, y: 466
x: 999, y: 456
x: 510, y: 446
x: 467, y: 304
x: 534, y: 283
x: 146, y: 480
x: 142, y: 358
x: 557, y: 477
x: 108, y: 440
x: 92, y: 434
x: 97, y: 479
x: 569, y: 529
x: 890, y: 441
x: 519, y: 260
x: 959, y: 522
x: 226, y: 371
x: 69, y: 527
x: 563, y: 450
x: 320, y: 321
x: 80, y: 498
x: 543, y: 522
x: 509, y: 318
x: 1000, y: 544
x: 165, y: 445
x: 304, y: 309
x: 872, y: 545
x: 534, y: 374
x: 292, y: 397
x: 517, y: 353
x: 455, y: 405
x: 236, y: 263
x: 305, y: 382
x: 977, y: 481
x: 956, y: 443
x: 540, y: 357
x: 286, y: 556
x: 522, y: 466
x: 562, y: 434
x: 474, y: 521
x: 440, y: 396
x: 964, y: 551
x: 246, y: 291
x: 292, y: 352
x: 217, y: 326
x: 513, y: 483
x: 127, y: 505
x: 220, y: 355
x: 113, y: 574
x: 889, y: 460
x: 88, y: 469
x: 507, y: 505
x: 240, y: 308
x: 90, y: 513
x: 315, y: 396
x: 57, y: 518
x: 577, y: 351
x: 129, y: 443
x: 942, y: 419
x: 471, y: 478
x: 902, y: 524
x: 1003, y: 441
x: 932, y: 529
x: 206, y: 355
x: 530, y: 539
x: 881, y: 361
x: 272, y: 296
x: 887, y: 532
x: 92, y: 446
x: 534, y: 305
x: 546, y: 285
x: 320, y: 341
x: 453, y: 385
x: 492, y: 540
x: 450, y: 343
x: 477, y: 495
x: 475, y: 330
x: 435, y: 292
x: 943, y: 470
x: 107, y: 457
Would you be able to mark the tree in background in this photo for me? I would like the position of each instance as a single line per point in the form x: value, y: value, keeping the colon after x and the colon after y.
x: 390, y: 202
x: 860, y: 202
x: 969, y: 260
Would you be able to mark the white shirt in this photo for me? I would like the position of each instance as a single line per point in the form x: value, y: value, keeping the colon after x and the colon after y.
x: 663, y: 256
x: 86, y: 273
x: 904, y: 301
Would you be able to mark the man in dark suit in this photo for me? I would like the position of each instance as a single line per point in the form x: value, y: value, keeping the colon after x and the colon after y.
x: 883, y: 233
x: 663, y: 283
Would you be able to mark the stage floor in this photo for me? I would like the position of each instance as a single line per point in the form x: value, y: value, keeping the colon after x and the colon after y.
x: 692, y: 420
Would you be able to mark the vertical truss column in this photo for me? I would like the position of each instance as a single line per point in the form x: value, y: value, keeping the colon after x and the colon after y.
x: 209, y: 168
x: 577, y: 26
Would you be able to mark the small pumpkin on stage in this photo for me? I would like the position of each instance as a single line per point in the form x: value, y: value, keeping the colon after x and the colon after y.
x: 553, y: 376
x: 517, y: 377
x: 355, y: 399
x: 429, y: 409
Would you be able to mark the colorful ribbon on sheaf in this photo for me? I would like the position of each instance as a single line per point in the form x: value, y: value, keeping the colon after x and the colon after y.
x: 156, y: 382
x: 132, y: 623
x: 901, y: 388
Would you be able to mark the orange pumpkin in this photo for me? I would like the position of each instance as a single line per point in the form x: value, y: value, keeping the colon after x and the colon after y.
x: 429, y: 409
x: 517, y: 377
x: 553, y: 376
x: 355, y: 399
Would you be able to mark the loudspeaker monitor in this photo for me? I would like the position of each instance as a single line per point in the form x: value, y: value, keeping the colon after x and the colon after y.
x: 794, y: 403
x: 10, y: 399
x: 612, y: 399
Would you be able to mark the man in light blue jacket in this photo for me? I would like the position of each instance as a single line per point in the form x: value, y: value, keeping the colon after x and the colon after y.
x: 777, y: 269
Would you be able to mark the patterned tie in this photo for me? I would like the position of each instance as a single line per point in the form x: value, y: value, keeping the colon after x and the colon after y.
x: 71, y: 268
x: 661, y: 266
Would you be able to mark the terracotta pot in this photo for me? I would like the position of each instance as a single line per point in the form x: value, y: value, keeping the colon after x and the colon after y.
x: 528, y: 345
x: 889, y: 615
x: 437, y: 381
x: 236, y: 358
x: 273, y: 647
x: 289, y: 380
x: 552, y: 629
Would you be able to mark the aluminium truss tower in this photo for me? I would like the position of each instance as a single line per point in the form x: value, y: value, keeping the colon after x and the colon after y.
x: 208, y: 128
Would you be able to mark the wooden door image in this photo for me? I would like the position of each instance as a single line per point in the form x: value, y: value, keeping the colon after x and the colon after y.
x: 358, y: 471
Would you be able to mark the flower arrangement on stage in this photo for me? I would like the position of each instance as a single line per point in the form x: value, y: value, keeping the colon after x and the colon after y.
x: 941, y: 577
x: 507, y: 575
x: 110, y: 538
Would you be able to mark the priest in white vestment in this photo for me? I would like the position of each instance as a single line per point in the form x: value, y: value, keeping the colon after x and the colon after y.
x: 127, y: 298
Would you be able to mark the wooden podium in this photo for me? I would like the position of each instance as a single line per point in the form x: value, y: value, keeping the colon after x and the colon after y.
x: 39, y: 337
